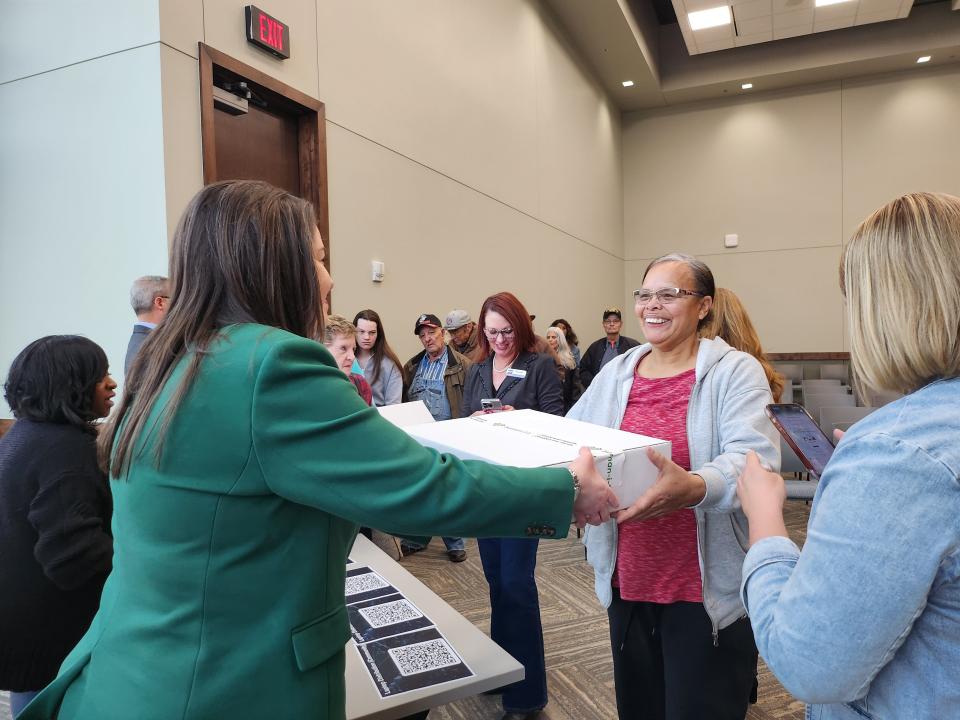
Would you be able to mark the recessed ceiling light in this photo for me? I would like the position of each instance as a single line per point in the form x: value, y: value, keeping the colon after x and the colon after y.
x: 714, y: 17
x: 923, y: 59
x: 628, y: 83
x: 824, y: 3
x: 746, y: 86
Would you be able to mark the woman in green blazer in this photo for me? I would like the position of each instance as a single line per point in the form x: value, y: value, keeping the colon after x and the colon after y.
x: 242, y: 462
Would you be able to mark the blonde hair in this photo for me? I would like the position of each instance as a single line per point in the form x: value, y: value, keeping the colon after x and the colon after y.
x: 563, y: 349
x: 335, y: 326
x: 900, y: 274
x: 730, y: 321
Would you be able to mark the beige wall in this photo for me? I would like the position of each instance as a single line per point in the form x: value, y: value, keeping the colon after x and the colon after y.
x: 467, y: 149
x: 792, y: 174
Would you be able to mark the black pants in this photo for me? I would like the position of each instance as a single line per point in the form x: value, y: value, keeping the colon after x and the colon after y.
x: 666, y: 667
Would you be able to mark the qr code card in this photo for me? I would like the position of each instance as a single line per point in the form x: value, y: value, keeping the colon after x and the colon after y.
x: 423, y: 656
x: 384, y: 616
x: 362, y: 583
x: 411, y: 661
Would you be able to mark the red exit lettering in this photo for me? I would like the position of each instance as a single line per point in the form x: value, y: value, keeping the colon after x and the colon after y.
x: 271, y: 32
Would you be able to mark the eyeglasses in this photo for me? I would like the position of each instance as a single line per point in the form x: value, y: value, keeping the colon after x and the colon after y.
x: 664, y: 296
x: 506, y: 333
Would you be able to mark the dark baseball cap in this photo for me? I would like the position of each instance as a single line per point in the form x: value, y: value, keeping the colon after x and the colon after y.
x: 612, y: 311
x: 426, y: 320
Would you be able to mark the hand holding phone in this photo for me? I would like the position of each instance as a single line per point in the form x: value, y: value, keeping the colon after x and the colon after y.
x: 491, y: 405
x: 802, y: 434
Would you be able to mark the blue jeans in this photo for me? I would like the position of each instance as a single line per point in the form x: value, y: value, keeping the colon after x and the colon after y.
x: 508, y: 565
x: 420, y: 543
x: 19, y: 700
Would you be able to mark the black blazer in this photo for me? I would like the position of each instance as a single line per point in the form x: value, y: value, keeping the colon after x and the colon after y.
x: 137, y: 337
x: 539, y: 390
x: 590, y: 362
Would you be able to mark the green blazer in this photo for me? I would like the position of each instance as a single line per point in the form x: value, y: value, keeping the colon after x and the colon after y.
x: 226, y: 598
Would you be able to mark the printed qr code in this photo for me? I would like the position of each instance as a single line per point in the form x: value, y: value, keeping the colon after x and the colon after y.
x: 423, y: 656
x: 390, y: 613
x: 364, y: 583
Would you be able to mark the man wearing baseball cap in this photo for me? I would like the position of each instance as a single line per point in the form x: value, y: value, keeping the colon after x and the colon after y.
x: 605, y: 349
x: 436, y: 376
x: 463, y: 332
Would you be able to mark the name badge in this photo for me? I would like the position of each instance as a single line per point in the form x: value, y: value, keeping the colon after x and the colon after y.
x: 519, y: 374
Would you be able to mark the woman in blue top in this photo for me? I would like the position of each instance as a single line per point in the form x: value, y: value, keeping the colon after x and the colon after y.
x: 865, y: 622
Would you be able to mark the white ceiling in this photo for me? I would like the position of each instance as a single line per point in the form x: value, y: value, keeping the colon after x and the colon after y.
x: 757, y: 21
x: 633, y: 40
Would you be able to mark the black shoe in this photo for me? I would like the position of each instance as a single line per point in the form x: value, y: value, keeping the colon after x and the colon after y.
x: 532, y: 715
x: 406, y: 550
x: 457, y: 555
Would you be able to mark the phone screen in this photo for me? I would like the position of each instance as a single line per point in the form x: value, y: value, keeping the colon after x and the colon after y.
x: 803, y: 435
x: 491, y: 405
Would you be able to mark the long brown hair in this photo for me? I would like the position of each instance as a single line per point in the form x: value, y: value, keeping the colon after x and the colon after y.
x: 243, y: 252
x: 729, y: 320
x: 515, y: 314
x: 381, y: 348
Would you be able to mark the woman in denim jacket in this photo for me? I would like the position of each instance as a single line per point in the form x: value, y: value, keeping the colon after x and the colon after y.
x: 865, y: 622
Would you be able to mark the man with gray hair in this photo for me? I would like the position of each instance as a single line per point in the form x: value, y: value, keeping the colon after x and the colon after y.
x: 149, y: 298
x: 463, y: 332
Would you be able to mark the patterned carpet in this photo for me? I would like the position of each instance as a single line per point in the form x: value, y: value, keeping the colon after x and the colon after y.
x: 580, y: 672
x: 576, y: 636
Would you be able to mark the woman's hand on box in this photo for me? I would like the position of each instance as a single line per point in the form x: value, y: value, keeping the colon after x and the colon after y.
x: 674, y: 489
x: 596, y: 501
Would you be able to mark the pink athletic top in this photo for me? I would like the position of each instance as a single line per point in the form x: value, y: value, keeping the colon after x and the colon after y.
x: 657, y: 558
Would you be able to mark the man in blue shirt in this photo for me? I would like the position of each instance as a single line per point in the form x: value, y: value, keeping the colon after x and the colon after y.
x: 435, y: 376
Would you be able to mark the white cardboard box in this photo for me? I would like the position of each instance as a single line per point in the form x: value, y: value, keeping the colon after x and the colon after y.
x: 527, y: 438
x: 408, y: 413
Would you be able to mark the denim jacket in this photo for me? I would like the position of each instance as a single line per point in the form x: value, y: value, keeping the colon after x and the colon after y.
x: 865, y: 622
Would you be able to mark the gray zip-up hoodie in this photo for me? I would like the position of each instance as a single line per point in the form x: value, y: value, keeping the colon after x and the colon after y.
x: 725, y: 419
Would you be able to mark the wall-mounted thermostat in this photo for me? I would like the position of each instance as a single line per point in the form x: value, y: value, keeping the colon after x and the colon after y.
x: 731, y: 240
x: 377, y: 268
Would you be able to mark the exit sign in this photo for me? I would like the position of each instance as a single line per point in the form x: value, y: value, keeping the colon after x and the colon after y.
x: 267, y: 32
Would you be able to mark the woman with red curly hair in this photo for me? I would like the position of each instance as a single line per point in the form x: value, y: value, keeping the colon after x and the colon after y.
x: 512, y: 371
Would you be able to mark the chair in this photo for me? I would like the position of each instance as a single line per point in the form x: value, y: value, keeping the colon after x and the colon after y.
x: 834, y: 372
x: 793, y: 372
x: 814, y: 403
x: 830, y: 383
x: 802, y: 489
x: 841, y: 418
x: 787, y: 395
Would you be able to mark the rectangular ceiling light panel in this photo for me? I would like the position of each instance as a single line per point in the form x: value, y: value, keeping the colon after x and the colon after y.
x: 714, y: 17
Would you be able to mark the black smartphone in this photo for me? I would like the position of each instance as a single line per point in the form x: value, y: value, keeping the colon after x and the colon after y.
x: 802, y: 434
x: 489, y: 405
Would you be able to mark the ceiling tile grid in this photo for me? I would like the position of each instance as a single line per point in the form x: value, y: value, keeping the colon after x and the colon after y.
x: 757, y: 21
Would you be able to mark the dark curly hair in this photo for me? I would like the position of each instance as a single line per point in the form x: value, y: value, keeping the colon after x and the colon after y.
x: 53, y: 378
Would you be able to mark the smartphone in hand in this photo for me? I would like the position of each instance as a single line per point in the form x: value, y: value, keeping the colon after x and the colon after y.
x: 802, y: 434
x: 491, y: 405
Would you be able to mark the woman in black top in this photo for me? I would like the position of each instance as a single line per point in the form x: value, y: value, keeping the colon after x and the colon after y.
x: 55, y: 509
x: 522, y: 380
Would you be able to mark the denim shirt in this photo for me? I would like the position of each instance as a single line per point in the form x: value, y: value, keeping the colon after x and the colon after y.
x: 865, y: 622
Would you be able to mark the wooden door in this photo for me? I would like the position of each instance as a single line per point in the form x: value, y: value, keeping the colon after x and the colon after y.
x: 281, y: 138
